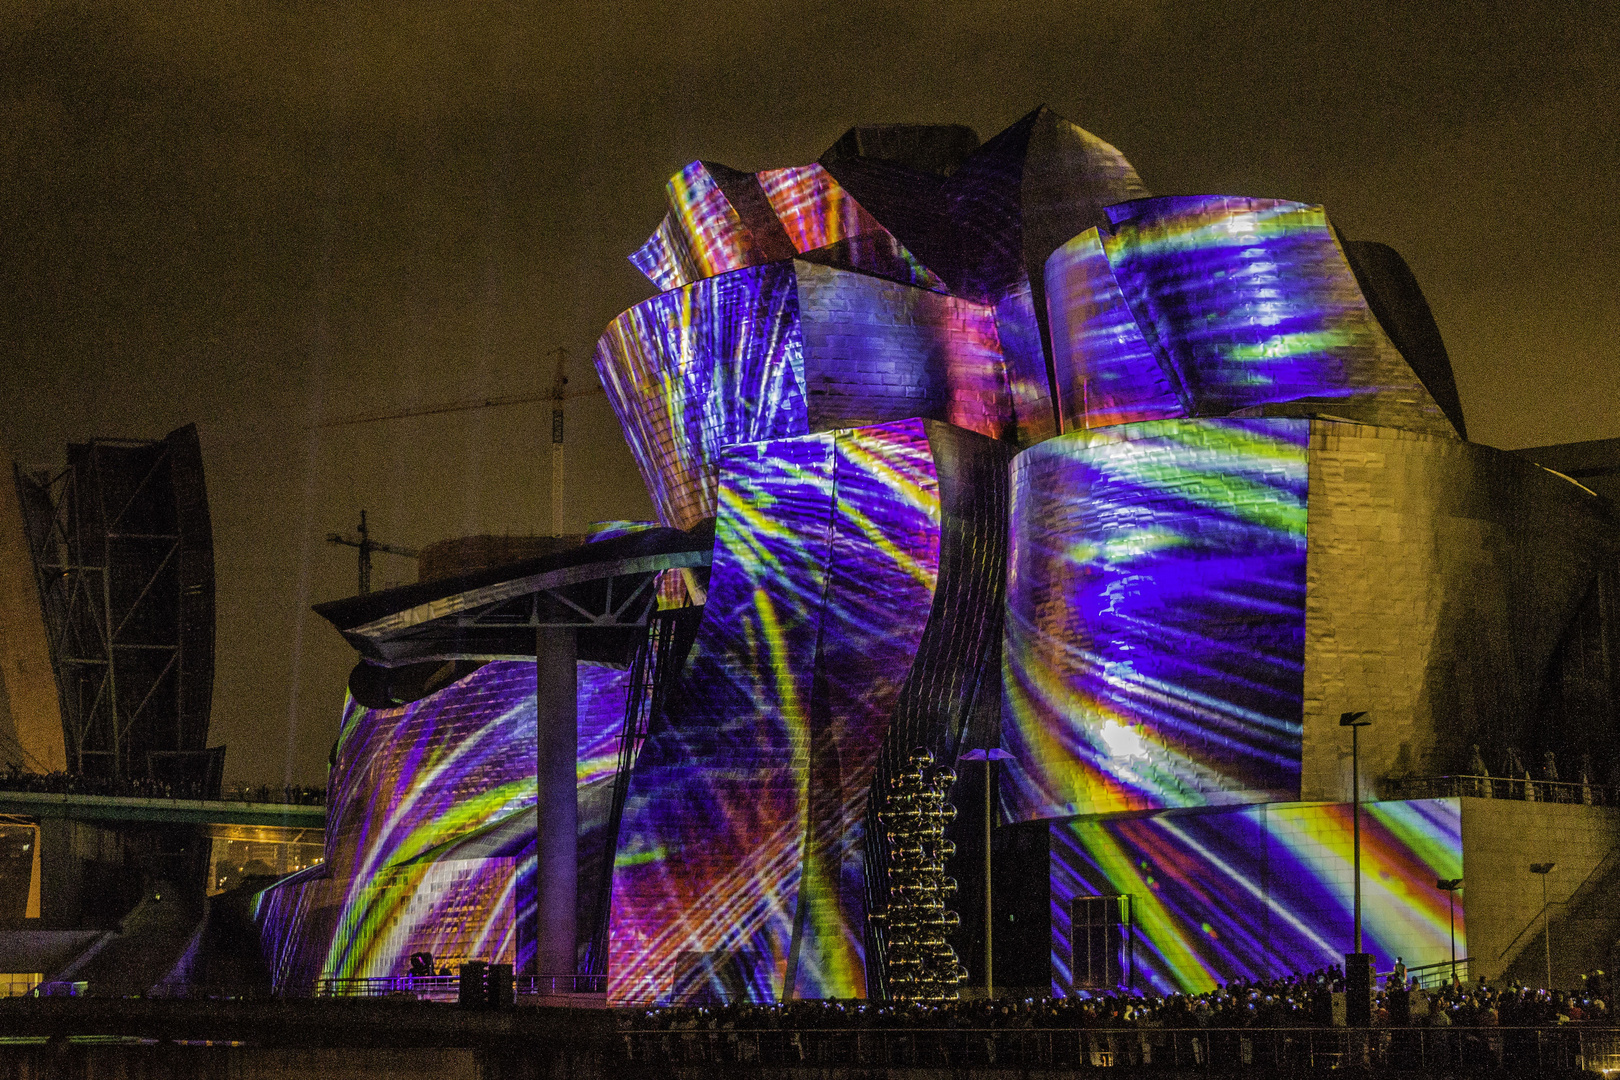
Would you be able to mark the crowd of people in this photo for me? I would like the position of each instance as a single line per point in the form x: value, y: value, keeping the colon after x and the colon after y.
x: 14, y: 778
x: 1295, y: 1001
x: 288, y: 794
x: 1295, y: 1023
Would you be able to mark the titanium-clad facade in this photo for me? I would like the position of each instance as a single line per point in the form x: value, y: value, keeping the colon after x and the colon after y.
x: 999, y: 451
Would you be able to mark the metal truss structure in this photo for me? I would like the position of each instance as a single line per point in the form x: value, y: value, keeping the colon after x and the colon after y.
x: 122, y: 548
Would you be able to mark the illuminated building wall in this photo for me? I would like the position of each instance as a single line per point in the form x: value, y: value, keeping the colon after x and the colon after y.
x: 430, y: 830
x: 721, y: 220
x: 740, y: 846
x: 1185, y: 625
x: 1463, y: 596
x: 793, y: 303
x: 1252, y: 892
x: 1154, y: 646
x: 689, y: 371
x: 1205, y: 305
x: 789, y: 349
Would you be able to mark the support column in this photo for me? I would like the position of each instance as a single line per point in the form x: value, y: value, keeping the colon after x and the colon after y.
x: 61, y: 875
x: 557, y: 807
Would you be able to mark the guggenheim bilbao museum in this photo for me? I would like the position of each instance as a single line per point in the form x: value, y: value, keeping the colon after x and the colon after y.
x: 965, y: 447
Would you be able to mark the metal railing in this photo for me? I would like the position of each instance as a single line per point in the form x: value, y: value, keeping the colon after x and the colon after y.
x: 1295, y: 1049
x: 1430, y: 976
x: 1577, y: 896
x: 555, y: 985
x: 1498, y: 787
x: 448, y: 987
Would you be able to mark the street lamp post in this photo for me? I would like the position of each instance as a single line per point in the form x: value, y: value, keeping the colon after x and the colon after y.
x: 1451, y: 885
x: 1543, y: 869
x: 1358, y: 966
x: 989, y: 757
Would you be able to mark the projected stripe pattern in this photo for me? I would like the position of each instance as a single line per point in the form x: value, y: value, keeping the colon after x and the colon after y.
x: 407, y: 782
x: 1245, y: 893
x: 691, y: 371
x: 739, y: 872
x: 1154, y: 646
x: 1205, y: 305
x: 795, y: 347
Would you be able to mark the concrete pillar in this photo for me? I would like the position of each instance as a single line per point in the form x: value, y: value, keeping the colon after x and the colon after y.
x: 61, y: 875
x: 31, y: 910
x: 557, y: 808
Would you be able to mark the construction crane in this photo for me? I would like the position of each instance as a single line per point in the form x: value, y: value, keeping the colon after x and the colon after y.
x: 557, y: 395
x: 367, y: 545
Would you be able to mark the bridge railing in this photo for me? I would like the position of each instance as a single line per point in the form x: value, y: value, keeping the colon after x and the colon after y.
x: 1467, y: 1050
x: 448, y: 987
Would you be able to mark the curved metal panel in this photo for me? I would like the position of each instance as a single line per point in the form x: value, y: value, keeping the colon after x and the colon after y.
x: 1247, y: 306
x: 877, y: 351
x: 740, y: 869
x: 430, y: 831
x: 1106, y: 372
x: 691, y: 371
x: 820, y: 216
x: 701, y: 236
x: 1443, y: 579
x: 1154, y: 645
x: 789, y: 348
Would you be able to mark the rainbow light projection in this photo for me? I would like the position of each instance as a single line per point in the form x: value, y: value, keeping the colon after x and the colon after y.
x: 740, y: 856
x: 1204, y: 305
x: 430, y: 829
x: 721, y: 220
x: 793, y: 347
x: 842, y: 361
x: 691, y: 371
x: 1247, y: 892
x: 1154, y: 648
x: 820, y: 216
x: 702, y: 235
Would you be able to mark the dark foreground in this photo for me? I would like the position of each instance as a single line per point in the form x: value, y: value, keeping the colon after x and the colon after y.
x: 202, y: 1040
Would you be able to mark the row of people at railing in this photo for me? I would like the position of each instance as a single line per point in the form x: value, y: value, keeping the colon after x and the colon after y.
x: 1513, y: 780
x: 1298, y: 1001
x: 287, y: 794
x: 15, y: 778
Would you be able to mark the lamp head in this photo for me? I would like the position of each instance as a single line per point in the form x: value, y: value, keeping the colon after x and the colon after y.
x: 1448, y: 884
x: 1354, y: 719
x: 1542, y: 867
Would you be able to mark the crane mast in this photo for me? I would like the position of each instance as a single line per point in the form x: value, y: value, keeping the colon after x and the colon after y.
x: 559, y: 394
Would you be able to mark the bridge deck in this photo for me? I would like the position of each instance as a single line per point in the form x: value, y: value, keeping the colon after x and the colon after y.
x: 123, y: 808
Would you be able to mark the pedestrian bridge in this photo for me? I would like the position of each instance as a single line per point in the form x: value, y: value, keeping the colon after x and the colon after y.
x: 133, y: 809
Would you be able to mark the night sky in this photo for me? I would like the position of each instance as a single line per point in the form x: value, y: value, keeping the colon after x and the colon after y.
x: 257, y: 215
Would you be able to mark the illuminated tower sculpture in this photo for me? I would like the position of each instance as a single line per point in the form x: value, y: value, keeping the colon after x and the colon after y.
x: 919, y: 961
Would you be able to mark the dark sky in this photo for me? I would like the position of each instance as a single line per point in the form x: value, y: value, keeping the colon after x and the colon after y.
x: 255, y: 215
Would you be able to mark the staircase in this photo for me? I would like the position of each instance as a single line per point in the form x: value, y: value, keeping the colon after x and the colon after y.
x: 151, y: 938
x: 1585, y: 932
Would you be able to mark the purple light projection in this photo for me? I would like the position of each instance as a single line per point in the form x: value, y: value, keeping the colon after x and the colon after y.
x: 1205, y: 305
x: 739, y: 869
x: 1154, y: 650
